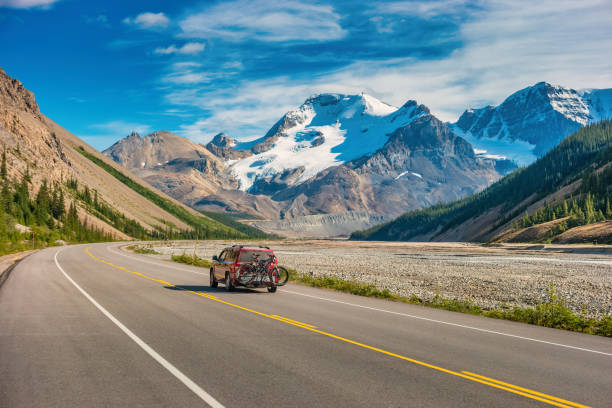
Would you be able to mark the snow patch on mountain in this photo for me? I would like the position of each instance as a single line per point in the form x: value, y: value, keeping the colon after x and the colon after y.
x: 518, y: 151
x: 328, y: 130
x: 599, y: 102
x: 403, y: 173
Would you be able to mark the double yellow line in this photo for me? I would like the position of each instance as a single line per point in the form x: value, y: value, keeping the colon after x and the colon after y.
x: 515, y: 389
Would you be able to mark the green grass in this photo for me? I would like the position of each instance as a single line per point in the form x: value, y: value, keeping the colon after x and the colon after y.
x: 191, y: 260
x: 552, y: 313
x: 143, y: 250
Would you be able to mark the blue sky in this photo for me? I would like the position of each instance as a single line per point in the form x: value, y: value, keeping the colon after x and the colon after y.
x: 102, y: 69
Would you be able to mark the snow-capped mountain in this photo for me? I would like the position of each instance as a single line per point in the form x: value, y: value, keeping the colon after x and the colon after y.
x: 338, y: 153
x: 325, y: 131
x: 532, y: 121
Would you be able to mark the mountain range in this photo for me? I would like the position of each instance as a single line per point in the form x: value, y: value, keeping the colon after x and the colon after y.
x: 565, y: 197
x: 359, y: 158
x: 348, y: 155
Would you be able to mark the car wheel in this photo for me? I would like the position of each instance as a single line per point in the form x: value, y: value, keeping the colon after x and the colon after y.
x: 228, y: 282
x: 272, y: 289
x: 213, y: 281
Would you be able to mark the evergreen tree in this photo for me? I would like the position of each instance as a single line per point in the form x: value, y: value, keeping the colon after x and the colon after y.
x: 3, y: 171
x: 565, y: 209
x: 42, y: 204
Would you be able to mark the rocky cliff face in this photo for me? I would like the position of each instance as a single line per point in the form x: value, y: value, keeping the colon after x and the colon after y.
x: 222, y: 146
x: 14, y: 94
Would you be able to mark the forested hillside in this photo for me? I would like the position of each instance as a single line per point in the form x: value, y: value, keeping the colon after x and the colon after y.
x: 569, y: 185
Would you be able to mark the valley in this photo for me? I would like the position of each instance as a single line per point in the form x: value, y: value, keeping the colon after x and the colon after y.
x: 341, y: 163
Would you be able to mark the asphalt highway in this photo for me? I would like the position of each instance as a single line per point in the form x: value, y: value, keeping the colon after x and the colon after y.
x: 95, y: 326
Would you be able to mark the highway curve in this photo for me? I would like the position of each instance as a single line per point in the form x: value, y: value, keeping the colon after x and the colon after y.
x: 94, y: 326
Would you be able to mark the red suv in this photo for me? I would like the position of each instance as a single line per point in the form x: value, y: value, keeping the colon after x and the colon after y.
x: 250, y: 267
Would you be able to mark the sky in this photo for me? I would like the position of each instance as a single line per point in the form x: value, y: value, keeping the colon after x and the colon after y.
x: 102, y: 69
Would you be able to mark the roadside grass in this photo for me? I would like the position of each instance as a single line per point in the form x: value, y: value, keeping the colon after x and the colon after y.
x: 143, y: 250
x: 191, y: 260
x: 552, y: 313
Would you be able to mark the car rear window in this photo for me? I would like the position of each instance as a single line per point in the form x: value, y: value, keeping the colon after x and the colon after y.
x: 249, y: 256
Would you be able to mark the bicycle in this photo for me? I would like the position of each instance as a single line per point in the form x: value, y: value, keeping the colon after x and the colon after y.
x: 263, y: 272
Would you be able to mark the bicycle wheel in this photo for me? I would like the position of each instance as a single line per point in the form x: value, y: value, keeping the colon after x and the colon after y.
x: 246, y: 274
x: 281, y: 275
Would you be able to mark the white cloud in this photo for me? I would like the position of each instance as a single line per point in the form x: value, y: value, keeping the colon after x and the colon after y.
x: 265, y: 21
x: 506, y: 47
x: 24, y: 4
x: 187, y: 78
x: 185, y: 65
x: 148, y: 20
x: 190, y: 48
x: 423, y: 9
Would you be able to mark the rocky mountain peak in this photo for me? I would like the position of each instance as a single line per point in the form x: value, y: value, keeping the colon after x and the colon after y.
x: 13, y: 93
x: 531, y: 121
x: 222, y: 140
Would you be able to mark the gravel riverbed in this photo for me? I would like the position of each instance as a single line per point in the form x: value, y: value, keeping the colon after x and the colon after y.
x: 491, y: 277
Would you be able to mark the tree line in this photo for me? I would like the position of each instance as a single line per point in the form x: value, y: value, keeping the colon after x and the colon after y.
x: 43, y: 217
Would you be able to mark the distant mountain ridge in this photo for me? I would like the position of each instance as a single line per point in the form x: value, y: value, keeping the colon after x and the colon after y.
x: 533, y: 120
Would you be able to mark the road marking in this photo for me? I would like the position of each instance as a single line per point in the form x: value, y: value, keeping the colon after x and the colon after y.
x: 490, y: 382
x: 206, y: 397
x: 450, y: 323
x: 525, y: 390
x: 288, y: 320
x: 390, y: 311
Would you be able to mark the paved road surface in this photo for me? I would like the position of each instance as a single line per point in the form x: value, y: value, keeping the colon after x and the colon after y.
x: 100, y: 327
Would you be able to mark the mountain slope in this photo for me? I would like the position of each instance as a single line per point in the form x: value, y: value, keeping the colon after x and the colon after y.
x: 570, y: 184
x: 188, y: 172
x: 41, y: 149
x: 422, y: 163
x: 533, y: 120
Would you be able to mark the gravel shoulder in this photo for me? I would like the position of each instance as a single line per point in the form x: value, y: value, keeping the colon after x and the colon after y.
x: 491, y: 277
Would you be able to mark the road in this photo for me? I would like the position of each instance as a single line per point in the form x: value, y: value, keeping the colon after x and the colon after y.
x: 95, y: 326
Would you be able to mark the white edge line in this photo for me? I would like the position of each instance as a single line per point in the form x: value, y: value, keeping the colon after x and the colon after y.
x: 206, y: 397
x: 399, y: 313
x: 449, y: 323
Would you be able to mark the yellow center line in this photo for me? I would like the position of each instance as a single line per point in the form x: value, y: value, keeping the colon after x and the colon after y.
x: 288, y: 320
x: 525, y: 390
x: 548, y: 399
